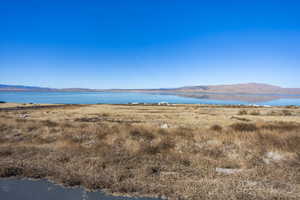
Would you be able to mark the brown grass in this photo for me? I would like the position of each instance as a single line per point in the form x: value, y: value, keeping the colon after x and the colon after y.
x: 143, y: 159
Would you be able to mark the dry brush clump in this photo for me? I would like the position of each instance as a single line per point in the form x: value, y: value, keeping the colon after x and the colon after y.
x: 255, y: 112
x: 216, y: 127
x: 242, y: 112
x: 244, y: 127
x: 178, y: 163
x: 285, y: 112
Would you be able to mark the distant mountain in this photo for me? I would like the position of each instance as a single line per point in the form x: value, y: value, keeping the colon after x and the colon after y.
x: 23, y: 88
x: 245, y: 88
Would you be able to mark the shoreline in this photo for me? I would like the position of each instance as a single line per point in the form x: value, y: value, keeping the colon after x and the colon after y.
x: 24, y: 105
x: 64, y: 186
x: 177, y: 98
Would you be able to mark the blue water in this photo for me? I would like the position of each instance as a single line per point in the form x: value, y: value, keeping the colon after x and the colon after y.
x: 16, y: 189
x: 125, y: 98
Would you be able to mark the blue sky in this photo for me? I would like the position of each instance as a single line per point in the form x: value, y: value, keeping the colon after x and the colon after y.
x: 149, y: 43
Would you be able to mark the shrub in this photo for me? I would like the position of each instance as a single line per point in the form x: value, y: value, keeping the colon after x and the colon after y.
x: 242, y: 112
x: 184, y: 132
x: 272, y: 113
x: 286, y: 112
x: 166, y: 144
x: 105, y: 114
x: 10, y: 171
x: 49, y: 123
x: 149, y: 149
x: 217, y: 128
x: 153, y: 170
x: 163, y: 146
x: 292, y: 106
x: 185, y: 162
x: 138, y: 134
x: 281, y: 126
x: 255, y: 112
x: 244, y: 127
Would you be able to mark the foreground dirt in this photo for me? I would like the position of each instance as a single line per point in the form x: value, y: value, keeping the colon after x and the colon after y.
x: 175, y: 151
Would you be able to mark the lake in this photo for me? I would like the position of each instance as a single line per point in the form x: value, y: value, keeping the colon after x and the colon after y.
x: 24, y: 189
x: 131, y: 97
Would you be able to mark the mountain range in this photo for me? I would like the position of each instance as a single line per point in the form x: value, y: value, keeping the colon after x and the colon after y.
x: 244, y: 88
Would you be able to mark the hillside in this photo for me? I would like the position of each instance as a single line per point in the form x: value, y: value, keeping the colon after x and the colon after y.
x: 4, y: 87
x: 245, y: 88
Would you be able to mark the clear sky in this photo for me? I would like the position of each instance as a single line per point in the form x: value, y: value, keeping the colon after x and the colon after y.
x: 149, y: 43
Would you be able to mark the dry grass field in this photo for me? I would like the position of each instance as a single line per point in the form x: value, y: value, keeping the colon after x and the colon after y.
x: 175, y: 152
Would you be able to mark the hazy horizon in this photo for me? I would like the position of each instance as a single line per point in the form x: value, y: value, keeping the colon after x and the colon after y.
x: 149, y: 44
x: 143, y: 88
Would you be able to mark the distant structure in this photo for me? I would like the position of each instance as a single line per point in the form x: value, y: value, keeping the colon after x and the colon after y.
x: 134, y: 103
x: 163, y: 103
